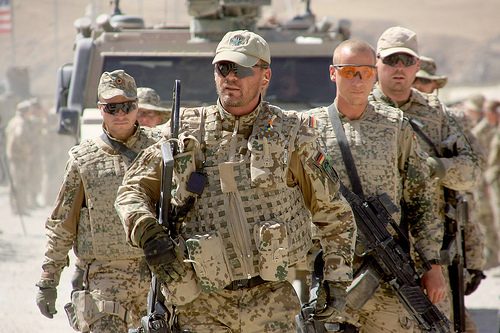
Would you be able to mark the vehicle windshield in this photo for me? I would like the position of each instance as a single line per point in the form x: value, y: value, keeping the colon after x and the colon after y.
x: 295, y: 80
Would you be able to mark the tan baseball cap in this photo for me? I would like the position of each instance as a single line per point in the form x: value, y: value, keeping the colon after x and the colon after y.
x: 397, y: 40
x: 242, y: 47
x: 116, y: 83
x: 149, y: 99
x: 428, y: 70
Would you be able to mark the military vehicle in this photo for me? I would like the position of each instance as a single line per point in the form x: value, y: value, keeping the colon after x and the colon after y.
x: 301, y: 51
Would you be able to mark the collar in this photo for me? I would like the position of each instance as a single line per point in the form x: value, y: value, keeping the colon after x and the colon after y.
x: 416, y: 97
x: 131, y: 139
x: 245, y: 122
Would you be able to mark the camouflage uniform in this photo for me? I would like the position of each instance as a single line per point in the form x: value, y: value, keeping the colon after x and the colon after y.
x: 20, y: 152
x: 116, y: 275
x: 462, y: 171
x: 389, y: 160
x: 250, y: 221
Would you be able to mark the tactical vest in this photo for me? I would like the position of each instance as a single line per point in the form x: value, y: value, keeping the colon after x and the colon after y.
x: 100, y: 233
x: 373, y: 141
x: 247, y: 222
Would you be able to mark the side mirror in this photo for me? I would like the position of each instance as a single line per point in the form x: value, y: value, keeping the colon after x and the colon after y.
x: 69, y: 122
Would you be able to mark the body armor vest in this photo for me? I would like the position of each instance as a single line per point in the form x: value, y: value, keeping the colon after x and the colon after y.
x: 373, y: 141
x: 100, y: 233
x: 255, y: 218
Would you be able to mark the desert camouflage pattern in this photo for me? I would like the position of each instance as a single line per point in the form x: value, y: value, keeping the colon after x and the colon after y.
x: 117, y: 299
x: 463, y: 171
x: 85, y: 204
x: 260, y: 179
x: 389, y: 160
x: 116, y: 83
x: 262, y: 304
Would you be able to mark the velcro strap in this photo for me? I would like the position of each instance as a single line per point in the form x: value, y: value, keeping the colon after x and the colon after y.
x: 114, y: 308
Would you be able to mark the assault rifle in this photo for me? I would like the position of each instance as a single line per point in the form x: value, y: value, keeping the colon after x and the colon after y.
x: 390, y: 260
x: 159, y: 318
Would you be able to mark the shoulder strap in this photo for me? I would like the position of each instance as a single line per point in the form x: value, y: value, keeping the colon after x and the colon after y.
x: 119, y: 147
x: 352, y: 172
x: 417, y: 127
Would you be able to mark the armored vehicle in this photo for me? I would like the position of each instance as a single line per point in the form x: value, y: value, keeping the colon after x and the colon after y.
x: 301, y: 52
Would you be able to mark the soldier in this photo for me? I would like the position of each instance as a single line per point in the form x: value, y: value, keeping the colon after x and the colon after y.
x: 19, y: 140
x: 250, y: 225
x: 116, y: 276
x: 388, y: 160
x: 493, y: 177
x: 397, y: 64
x: 151, y: 113
x: 473, y: 237
x: 426, y: 79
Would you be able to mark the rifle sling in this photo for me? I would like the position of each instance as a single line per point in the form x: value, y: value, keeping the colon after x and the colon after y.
x: 423, y: 136
x: 352, y: 172
x: 119, y: 147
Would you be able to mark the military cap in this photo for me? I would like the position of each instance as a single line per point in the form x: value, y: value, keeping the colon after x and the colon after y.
x: 149, y: 99
x: 428, y: 71
x: 397, y: 40
x: 24, y: 106
x: 117, y: 83
x: 242, y: 47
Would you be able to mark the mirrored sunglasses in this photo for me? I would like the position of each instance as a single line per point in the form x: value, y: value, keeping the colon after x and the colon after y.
x: 113, y: 108
x: 349, y: 71
x: 393, y: 59
x: 226, y: 67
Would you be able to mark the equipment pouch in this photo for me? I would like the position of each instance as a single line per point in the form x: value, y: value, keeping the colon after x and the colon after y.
x: 268, y: 158
x: 363, y: 287
x: 271, y: 238
x: 70, y: 310
x: 206, y: 253
x: 85, y: 309
x: 185, y: 165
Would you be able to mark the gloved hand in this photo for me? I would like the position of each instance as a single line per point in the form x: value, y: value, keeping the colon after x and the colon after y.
x: 46, y: 301
x: 162, y: 259
x: 331, y: 300
x: 436, y: 167
x: 77, y: 278
x: 475, y: 280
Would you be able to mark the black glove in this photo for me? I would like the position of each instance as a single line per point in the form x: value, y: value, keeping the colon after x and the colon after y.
x: 331, y: 300
x: 475, y: 280
x: 77, y: 278
x: 46, y: 301
x: 162, y: 259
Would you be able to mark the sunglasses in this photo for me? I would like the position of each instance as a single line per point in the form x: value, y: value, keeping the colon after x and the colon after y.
x: 423, y: 80
x: 226, y: 67
x: 113, y: 108
x: 393, y: 59
x: 349, y: 71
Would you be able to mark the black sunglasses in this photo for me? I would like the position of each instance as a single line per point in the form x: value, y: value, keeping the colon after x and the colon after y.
x: 113, y: 108
x: 226, y: 67
x: 393, y: 59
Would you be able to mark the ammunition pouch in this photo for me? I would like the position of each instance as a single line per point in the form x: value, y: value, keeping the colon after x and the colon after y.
x: 362, y: 288
x: 86, y: 308
x: 271, y: 238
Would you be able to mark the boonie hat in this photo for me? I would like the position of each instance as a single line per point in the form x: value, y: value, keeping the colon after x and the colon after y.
x: 397, y: 40
x: 475, y: 103
x: 149, y: 99
x: 117, y: 83
x: 242, y: 47
x: 428, y: 71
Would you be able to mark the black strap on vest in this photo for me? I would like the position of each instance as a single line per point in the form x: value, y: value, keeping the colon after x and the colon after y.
x: 352, y: 172
x: 119, y: 147
x: 417, y: 128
